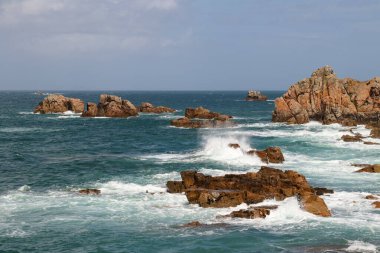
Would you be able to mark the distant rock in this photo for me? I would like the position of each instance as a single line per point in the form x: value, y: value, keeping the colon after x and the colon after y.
x: 149, y: 108
x: 371, y: 197
x: 328, y: 99
x: 202, y: 118
x: 89, y: 191
x: 370, y: 169
x: 254, y: 95
x: 232, y: 190
x: 110, y: 106
x: 56, y: 103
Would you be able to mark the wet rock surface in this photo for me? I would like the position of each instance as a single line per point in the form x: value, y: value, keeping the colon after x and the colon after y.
x: 250, y: 188
x: 89, y: 191
x: 370, y: 169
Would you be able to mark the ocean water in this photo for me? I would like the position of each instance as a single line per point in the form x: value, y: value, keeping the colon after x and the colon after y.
x: 45, y: 159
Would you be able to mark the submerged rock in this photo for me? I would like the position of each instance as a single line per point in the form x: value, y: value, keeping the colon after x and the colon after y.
x: 328, y: 99
x: 89, y: 191
x: 234, y: 145
x: 269, y: 155
x: 254, y: 95
x: 371, y: 197
x: 352, y: 138
x: 56, y: 103
x: 149, y: 108
x: 250, y: 188
x: 202, y: 118
x: 251, y: 213
x: 370, y: 169
x: 192, y: 224
x: 110, y: 106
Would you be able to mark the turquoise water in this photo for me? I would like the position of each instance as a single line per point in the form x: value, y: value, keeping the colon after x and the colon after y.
x: 46, y: 158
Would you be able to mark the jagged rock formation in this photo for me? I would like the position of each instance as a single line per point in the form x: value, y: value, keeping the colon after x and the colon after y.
x: 56, y: 103
x: 202, y: 118
x: 269, y: 155
x: 326, y: 98
x: 110, y: 106
x: 254, y: 95
x: 250, y: 188
x: 149, y: 108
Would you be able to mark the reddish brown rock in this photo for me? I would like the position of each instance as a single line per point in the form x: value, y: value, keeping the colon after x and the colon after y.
x: 255, y: 96
x: 90, y: 191
x: 376, y: 204
x: 252, y: 213
x: 370, y: 169
x: 328, y: 99
x: 233, y: 190
x: 110, y: 106
x: 55, y: 103
x: 202, y: 118
x: 321, y: 191
x: 375, y: 132
x: 371, y: 197
x: 203, y: 113
x: 269, y: 155
x: 175, y: 186
x: 149, y: 108
x: 352, y: 138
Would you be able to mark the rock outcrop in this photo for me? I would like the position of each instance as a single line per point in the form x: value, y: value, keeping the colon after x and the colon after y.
x: 110, y: 106
x: 376, y: 204
x: 254, y: 95
x: 250, y: 188
x: 202, y: 118
x: 149, y: 108
x: 56, y: 103
x: 89, y: 191
x: 370, y: 169
x: 326, y: 98
x: 269, y: 155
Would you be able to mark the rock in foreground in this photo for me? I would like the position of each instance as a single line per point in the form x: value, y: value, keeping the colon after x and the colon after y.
x: 254, y: 95
x: 56, y: 103
x: 202, y: 118
x: 149, y: 108
x: 250, y: 188
x: 110, y: 106
x: 328, y: 99
x: 370, y: 169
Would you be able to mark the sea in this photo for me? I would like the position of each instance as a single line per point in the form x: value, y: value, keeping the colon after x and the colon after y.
x: 46, y: 159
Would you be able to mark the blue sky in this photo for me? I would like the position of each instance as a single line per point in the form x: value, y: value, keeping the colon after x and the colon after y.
x: 183, y: 44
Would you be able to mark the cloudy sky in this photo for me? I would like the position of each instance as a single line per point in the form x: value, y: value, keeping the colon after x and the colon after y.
x: 183, y: 44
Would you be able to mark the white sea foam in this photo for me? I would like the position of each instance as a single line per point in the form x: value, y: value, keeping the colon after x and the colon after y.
x: 116, y: 187
x: 24, y: 188
x: 216, y: 147
x: 26, y: 113
x: 361, y: 247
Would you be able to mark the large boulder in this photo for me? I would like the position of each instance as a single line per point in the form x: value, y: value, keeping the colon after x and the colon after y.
x: 56, y: 103
x: 254, y: 95
x: 149, y: 108
x: 110, y: 106
x: 328, y: 99
x: 250, y: 188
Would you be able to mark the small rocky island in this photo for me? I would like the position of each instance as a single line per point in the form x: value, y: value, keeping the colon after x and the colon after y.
x: 108, y: 106
x: 56, y: 103
x: 202, y: 118
x: 326, y: 98
x: 251, y: 188
x: 254, y: 95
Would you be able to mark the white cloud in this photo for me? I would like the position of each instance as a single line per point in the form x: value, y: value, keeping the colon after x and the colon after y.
x: 62, y: 26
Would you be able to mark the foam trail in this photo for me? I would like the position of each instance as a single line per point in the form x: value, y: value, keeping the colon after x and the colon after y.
x: 362, y: 247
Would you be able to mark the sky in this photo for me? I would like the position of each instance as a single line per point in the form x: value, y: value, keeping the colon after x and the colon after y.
x: 184, y: 44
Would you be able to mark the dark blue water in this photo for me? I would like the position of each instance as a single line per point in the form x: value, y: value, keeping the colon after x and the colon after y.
x: 45, y: 159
